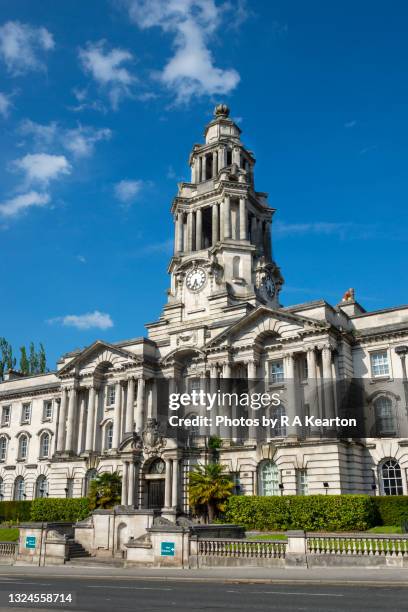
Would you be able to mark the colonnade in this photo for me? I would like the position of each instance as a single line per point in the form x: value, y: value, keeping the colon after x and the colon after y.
x: 229, y: 220
x: 79, y: 410
x: 208, y: 164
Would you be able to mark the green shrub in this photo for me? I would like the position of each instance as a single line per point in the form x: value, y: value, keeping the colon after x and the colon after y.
x: 311, y: 512
x: 15, y: 511
x: 391, y: 509
x: 60, y: 509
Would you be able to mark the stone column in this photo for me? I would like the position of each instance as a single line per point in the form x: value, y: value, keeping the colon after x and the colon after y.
x: 267, y: 241
x: 69, y: 442
x: 167, y: 485
x: 254, y: 230
x: 190, y: 231
x: 291, y: 393
x: 61, y: 420
x: 313, y: 396
x: 199, y: 229
x: 125, y: 477
x: 227, y: 217
x: 260, y: 239
x: 199, y: 162
x: 215, y: 223
x: 179, y: 233
x: 140, y: 405
x: 116, y: 416
x: 131, y: 484
x: 174, y: 492
x: 130, y: 405
x: 204, y: 169
x: 236, y: 156
x: 242, y: 219
x: 327, y: 382
x: 81, y: 422
x: 90, y: 420
x: 213, y: 389
x: 215, y: 164
x: 193, y: 171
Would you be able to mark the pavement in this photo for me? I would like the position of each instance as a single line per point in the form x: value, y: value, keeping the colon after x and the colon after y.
x: 215, y: 591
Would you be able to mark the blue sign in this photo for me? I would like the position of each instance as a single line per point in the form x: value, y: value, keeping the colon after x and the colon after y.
x: 167, y: 549
x: 30, y: 542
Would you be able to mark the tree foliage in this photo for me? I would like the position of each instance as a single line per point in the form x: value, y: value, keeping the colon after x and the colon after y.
x: 209, y: 488
x: 105, y: 491
x: 33, y: 363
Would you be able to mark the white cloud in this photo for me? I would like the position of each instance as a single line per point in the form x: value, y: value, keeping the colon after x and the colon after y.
x: 20, y: 45
x: 344, y: 231
x: 42, y: 168
x: 107, y: 68
x: 4, y: 104
x: 350, y: 124
x: 127, y: 190
x: 79, y: 141
x: 90, y: 320
x: 20, y: 203
x: 191, y: 71
x: 81, y: 258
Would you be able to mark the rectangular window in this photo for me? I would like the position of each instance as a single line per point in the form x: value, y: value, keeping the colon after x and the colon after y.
x: 304, y: 373
x: 3, y: 448
x: 237, y: 490
x: 25, y: 413
x: 5, y: 416
x: 110, y: 395
x: 276, y: 373
x: 47, y: 410
x: 301, y: 482
x: 23, y: 447
x: 379, y: 364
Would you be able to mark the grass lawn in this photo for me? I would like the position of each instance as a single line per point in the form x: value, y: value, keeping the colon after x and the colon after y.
x: 268, y: 536
x: 385, y: 529
x: 9, y: 534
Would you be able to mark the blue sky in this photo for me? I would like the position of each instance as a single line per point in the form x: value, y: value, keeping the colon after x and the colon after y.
x: 100, y: 104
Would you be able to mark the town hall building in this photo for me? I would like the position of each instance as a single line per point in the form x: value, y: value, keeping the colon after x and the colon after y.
x: 104, y: 408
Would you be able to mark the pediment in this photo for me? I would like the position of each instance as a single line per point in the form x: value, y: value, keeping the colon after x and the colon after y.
x: 96, y: 355
x: 264, y: 321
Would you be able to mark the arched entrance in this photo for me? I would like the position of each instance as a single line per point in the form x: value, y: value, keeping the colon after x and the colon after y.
x: 155, y: 482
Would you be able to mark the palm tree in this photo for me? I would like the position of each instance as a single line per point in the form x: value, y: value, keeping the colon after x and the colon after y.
x: 209, y: 487
x: 105, y: 490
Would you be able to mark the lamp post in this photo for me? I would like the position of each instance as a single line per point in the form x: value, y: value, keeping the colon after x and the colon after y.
x: 281, y: 487
x: 326, y: 487
x: 66, y: 491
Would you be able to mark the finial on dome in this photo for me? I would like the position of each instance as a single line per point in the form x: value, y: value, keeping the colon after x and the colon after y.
x: 221, y: 110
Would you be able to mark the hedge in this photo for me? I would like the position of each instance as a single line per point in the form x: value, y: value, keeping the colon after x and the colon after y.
x: 15, y: 511
x: 391, y: 509
x: 311, y: 512
x: 60, y: 509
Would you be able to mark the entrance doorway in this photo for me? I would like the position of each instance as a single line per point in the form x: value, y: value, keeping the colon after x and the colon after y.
x: 155, y: 494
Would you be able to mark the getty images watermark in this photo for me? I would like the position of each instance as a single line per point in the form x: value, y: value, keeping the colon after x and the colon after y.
x: 234, y: 402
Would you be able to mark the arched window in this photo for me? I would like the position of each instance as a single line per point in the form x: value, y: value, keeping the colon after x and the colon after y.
x: 391, y: 478
x: 19, y: 488
x: 41, y: 486
x: 23, y: 447
x: 3, y: 448
x: 89, y: 477
x: 45, y: 445
x: 384, y: 417
x: 1, y: 489
x: 109, y: 436
x: 268, y: 478
x: 157, y: 467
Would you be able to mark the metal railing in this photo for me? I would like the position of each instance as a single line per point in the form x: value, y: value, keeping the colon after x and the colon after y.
x: 361, y: 544
x: 248, y: 549
x: 8, y: 549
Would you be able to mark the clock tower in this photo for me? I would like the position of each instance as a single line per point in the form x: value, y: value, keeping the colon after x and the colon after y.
x: 222, y: 248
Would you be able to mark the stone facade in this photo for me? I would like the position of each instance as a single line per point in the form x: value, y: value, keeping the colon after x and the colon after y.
x: 101, y: 410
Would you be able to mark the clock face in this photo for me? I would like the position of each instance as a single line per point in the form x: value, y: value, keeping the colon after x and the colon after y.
x: 270, y: 286
x: 196, y: 279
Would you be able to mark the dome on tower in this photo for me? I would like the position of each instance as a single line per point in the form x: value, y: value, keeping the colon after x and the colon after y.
x: 221, y: 110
